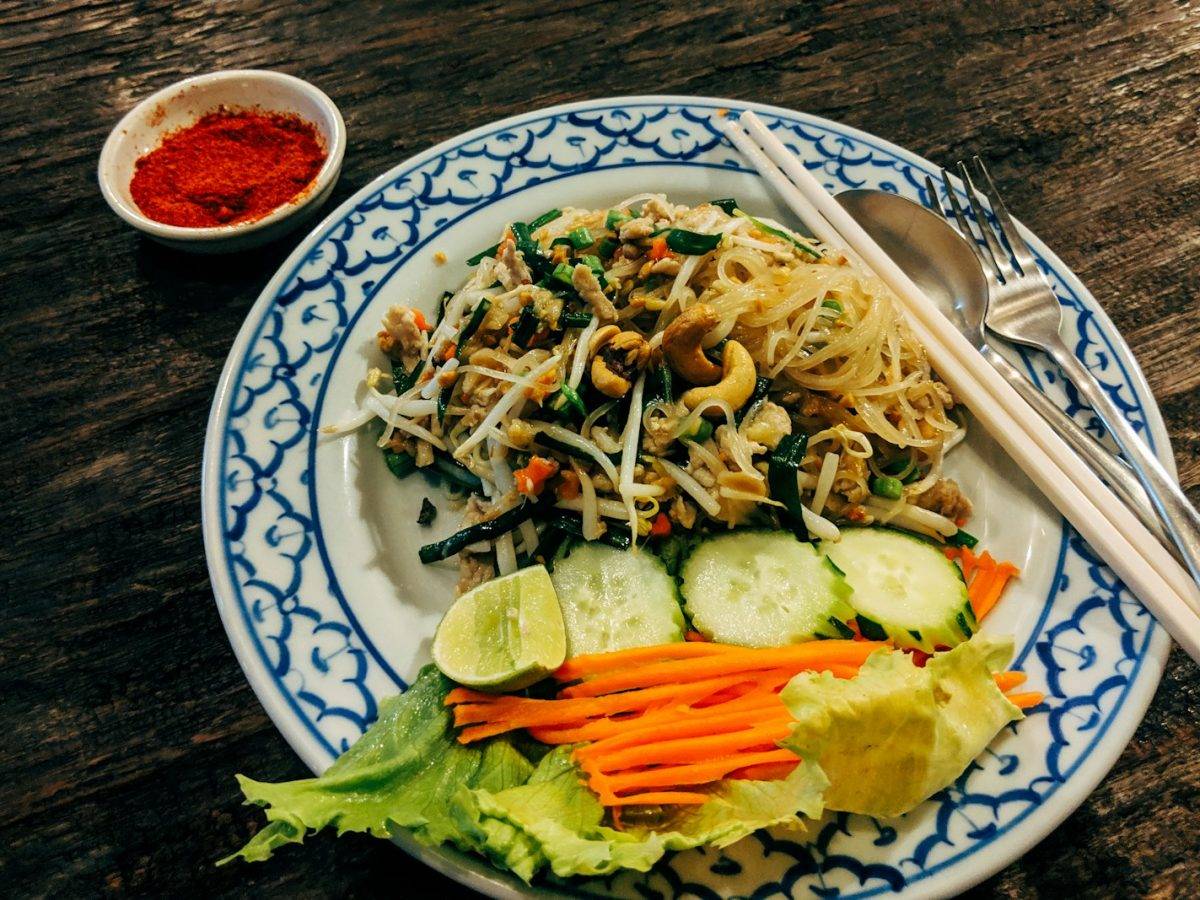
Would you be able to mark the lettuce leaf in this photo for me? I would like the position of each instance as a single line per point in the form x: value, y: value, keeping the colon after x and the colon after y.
x: 555, y: 820
x: 403, y: 771
x: 897, y: 734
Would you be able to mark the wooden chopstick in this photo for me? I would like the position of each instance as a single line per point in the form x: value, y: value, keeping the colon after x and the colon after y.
x: 1148, y: 570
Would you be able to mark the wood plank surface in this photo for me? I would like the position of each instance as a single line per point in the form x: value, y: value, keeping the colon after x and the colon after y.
x: 123, y: 711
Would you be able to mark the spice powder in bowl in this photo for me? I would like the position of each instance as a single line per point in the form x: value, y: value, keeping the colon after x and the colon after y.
x: 230, y: 166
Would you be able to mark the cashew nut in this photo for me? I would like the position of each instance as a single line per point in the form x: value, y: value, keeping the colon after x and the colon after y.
x: 616, y: 356
x: 681, y: 344
x: 738, y: 375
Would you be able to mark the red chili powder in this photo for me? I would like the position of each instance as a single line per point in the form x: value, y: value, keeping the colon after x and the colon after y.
x: 227, y: 167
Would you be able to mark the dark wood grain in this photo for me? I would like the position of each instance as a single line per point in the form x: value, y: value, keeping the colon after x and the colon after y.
x: 123, y: 713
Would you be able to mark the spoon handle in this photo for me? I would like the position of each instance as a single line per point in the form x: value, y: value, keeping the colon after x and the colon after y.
x: 1108, y: 465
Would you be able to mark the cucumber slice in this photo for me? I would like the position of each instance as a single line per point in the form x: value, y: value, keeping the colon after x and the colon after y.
x: 764, y: 589
x: 904, y: 588
x: 613, y: 599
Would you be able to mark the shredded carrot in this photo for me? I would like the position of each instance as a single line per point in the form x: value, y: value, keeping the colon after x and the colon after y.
x: 419, y: 320
x: 597, y: 663
x: 1006, y: 681
x: 813, y: 655
x: 1026, y: 700
x: 688, y: 722
x: 502, y: 714
x: 658, y: 248
x: 691, y: 749
x: 692, y: 773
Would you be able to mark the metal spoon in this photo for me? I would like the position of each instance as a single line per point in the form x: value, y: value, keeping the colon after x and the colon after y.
x: 942, y: 264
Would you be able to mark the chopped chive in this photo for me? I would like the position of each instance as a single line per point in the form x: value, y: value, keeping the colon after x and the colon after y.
x: 607, y: 247
x: 727, y: 203
x: 441, y: 313
x: 478, y: 257
x: 483, y: 531
x: 962, y: 538
x: 562, y: 272
x: 780, y: 233
x: 527, y: 324
x: 399, y: 464
x: 428, y: 512
x: 455, y: 471
x: 567, y: 402
x: 580, y: 237
x: 472, y: 326
x: 545, y: 219
x: 690, y: 243
x: 782, y: 467
x: 563, y: 241
x: 616, y: 218
x: 887, y: 487
x: 762, y: 387
x: 405, y: 380
x: 700, y: 432
x: 834, y: 305
x: 443, y: 400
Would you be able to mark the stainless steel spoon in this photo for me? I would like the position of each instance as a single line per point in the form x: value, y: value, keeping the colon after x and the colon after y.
x: 939, y: 260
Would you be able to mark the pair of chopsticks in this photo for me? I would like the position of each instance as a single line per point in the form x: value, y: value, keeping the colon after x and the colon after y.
x: 1075, y: 490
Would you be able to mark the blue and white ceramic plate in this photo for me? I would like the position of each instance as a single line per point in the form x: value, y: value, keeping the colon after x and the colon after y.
x: 312, y: 545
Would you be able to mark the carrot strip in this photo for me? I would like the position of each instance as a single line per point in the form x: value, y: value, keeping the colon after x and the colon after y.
x: 764, y: 771
x: 657, y: 798
x: 689, y: 724
x: 968, y: 563
x: 690, y: 750
x: 987, y: 601
x: 980, y: 586
x: 1026, y: 700
x: 815, y: 654
x: 595, y: 663
x: 509, y: 713
x: 1006, y: 681
x: 693, y: 773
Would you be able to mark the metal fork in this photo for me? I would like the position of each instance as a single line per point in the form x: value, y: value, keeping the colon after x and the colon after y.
x: 1022, y: 307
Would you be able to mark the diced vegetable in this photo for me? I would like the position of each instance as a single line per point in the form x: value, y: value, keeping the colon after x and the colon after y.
x: 562, y: 273
x: 905, y: 588
x: 615, y: 219
x: 690, y: 243
x: 531, y: 479
x: 886, y: 486
x: 580, y: 237
x: 659, y: 249
x: 612, y: 599
x: 661, y: 527
x: 764, y: 589
x: 782, y: 468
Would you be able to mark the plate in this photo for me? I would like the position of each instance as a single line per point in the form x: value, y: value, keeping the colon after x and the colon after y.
x: 312, y: 543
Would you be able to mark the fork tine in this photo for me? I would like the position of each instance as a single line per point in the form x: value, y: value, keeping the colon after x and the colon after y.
x: 935, y: 203
x: 995, y: 248
x: 964, y: 225
x: 1008, y: 228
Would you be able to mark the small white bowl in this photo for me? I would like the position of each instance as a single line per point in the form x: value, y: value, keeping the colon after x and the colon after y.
x: 181, y: 104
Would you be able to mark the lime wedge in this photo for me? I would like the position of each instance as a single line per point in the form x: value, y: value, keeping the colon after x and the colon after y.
x: 503, y: 635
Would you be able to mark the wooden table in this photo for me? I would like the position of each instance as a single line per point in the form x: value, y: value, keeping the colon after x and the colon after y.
x: 123, y: 711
